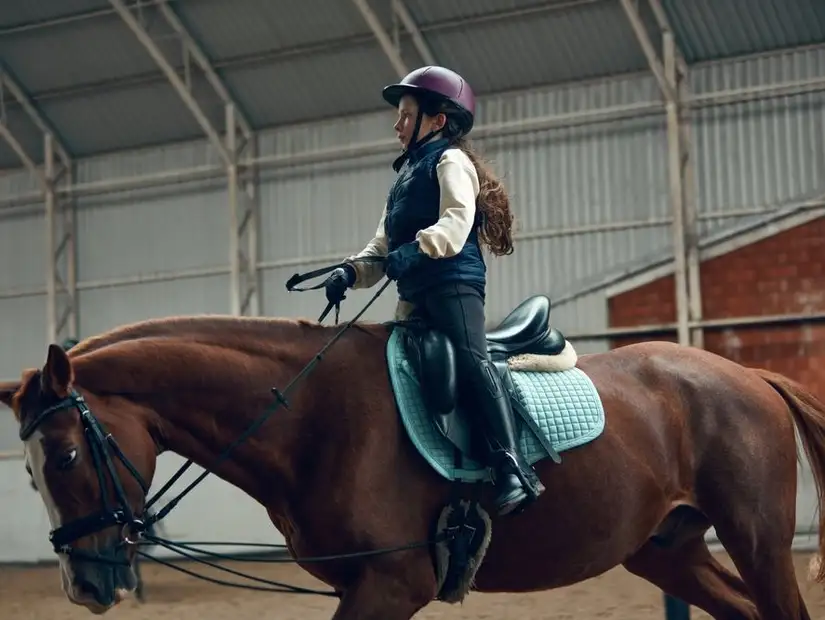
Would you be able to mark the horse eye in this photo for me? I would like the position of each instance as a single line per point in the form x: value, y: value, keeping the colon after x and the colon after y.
x: 67, y: 460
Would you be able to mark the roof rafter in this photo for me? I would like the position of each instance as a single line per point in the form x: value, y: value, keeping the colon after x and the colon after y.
x: 10, y: 83
x: 403, y: 13
x: 671, y: 73
x: 654, y: 60
x: 196, y: 51
x: 21, y: 153
x: 391, y: 51
x: 664, y: 25
x: 177, y: 83
x: 656, y: 64
x: 59, y: 222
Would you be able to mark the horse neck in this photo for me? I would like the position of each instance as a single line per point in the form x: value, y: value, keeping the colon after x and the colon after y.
x: 204, y: 395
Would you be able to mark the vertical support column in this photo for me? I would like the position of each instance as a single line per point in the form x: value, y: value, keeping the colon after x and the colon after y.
x: 671, y: 73
x: 685, y: 231
x: 694, y: 283
x: 674, y: 148
x: 61, y: 274
x: 243, y: 220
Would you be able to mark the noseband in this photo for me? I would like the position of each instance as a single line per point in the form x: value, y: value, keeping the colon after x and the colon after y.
x: 118, y: 513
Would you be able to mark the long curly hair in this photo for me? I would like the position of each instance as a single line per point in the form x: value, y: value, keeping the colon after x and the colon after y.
x: 493, y: 203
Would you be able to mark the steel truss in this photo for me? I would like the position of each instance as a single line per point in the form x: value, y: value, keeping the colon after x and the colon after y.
x: 240, y: 164
x: 671, y: 73
x: 390, y: 45
x: 236, y: 145
x: 55, y: 180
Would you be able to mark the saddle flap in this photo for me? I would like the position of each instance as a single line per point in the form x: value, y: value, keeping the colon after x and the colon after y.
x: 434, y: 359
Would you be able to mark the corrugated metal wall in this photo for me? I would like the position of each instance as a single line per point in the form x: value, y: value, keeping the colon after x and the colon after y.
x: 759, y: 153
x: 588, y: 199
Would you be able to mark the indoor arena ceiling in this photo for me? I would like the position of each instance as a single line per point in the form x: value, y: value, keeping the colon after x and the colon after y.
x: 107, y: 75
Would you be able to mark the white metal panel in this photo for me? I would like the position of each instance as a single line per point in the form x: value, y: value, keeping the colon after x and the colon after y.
x: 24, y: 527
x: 24, y: 530
x: 16, y: 182
x: 22, y: 255
x: 784, y: 65
x: 133, y: 236
x: 22, y: 345
x: 105, y: 308
x: 760, y: 153
x: 8, y: 430
x: 568, y: 99
x: 146, y: 161
x: 324, y: 209
x: 579, y: 176
x: 553, y: 266
x: 569, y: 180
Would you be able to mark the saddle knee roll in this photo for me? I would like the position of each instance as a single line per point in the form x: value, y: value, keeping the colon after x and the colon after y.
x: 438, y: 372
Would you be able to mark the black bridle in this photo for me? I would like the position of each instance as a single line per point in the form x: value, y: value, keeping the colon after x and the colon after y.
x: 118, y: 513
x: 134, y: 527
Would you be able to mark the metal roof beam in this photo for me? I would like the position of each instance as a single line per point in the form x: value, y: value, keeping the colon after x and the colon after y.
x: 403, y: 13
x: 244, y: 213
x: 671, y: 74
x: 664, y: 25
x: 653, y: 60
x: 10, y: 83
x: 61, y: 247
x: 21, y: 153
x: 390, y: 50
x: 59, y: 220
x: 177, y: 83
x: 196, y: 52
x: 238, y: 151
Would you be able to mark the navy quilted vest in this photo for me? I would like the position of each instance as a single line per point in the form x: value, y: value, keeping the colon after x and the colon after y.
x: 412, y: 205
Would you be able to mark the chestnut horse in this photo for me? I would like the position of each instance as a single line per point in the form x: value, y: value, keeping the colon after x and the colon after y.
x: 151, y: 532
x: 691, y: 440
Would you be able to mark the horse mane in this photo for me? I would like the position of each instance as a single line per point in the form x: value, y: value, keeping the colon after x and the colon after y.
x: 128, y: 358
x: 202, y: 326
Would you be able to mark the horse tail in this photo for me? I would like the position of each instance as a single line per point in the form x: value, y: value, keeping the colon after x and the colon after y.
x: 808, y: 413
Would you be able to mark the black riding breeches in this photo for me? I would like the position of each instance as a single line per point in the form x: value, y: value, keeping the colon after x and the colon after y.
x: 457, y: 311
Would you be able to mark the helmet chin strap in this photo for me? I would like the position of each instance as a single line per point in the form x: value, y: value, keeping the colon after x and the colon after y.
x: 412, y: 145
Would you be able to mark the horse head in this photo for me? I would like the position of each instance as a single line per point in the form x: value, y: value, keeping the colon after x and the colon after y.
x: 93, y: 486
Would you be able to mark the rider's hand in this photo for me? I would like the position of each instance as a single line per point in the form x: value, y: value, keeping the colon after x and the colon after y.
x: 338, y: 282
x: 402, y: 259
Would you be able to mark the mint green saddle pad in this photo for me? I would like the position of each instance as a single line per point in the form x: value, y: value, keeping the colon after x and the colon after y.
x: 565, y: 406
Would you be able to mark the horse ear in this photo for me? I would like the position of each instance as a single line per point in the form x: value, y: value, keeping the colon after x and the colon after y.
x: 57, y: 374
x: 7, y: 391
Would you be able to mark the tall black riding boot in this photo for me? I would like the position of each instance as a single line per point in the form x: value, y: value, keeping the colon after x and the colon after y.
x: 512, y: 482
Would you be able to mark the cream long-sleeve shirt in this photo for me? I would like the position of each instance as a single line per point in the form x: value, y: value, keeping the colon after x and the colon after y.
x: 459, y: 185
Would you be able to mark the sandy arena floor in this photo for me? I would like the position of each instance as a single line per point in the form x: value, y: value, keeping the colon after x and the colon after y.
x: 34, y: 594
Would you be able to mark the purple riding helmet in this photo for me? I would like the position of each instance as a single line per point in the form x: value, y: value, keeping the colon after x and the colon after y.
x: 439, y: 83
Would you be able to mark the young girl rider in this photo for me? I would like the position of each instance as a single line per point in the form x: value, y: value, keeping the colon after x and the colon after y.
x: 442, y: 207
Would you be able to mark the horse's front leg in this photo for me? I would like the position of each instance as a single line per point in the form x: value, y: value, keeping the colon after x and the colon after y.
x: 382, y: 596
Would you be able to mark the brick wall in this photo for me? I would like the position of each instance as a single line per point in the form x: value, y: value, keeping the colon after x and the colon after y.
x: 784, y: 274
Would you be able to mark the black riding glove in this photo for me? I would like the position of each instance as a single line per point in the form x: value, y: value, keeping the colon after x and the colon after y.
x: 338, y: 282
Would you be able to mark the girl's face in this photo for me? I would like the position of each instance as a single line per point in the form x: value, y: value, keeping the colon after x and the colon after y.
x: 404, y: 126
